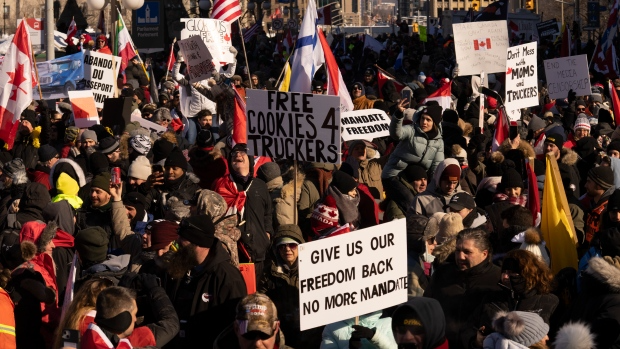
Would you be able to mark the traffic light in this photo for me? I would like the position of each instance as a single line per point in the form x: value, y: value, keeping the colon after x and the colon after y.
x: 529, y: 4
x: 475, y: 5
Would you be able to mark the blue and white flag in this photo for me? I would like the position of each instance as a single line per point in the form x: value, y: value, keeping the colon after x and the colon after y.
x: 308, y: 56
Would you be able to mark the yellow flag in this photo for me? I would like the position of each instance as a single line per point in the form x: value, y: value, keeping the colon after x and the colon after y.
x: 557, y: 224
x: 287, y: 78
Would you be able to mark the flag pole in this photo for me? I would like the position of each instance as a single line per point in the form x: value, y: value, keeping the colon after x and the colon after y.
x: 247, y: 65
x: 285, y: 63
x: 36, y: 70
x: 171, y: 53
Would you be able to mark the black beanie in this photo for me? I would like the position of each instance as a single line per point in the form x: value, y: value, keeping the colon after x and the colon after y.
x: 614, y: 145
x: 161, y: 150
x: 434, y: 111
x: 102, y: 181
x: 204, y: 139
x: 176, y: 159
x: 603, y: 176
x: 511, y: 179
x: 343, y: 182
x: 556, y: 139
x: 268, y: 171
x: 47, y: 152
x: 451, y: 116
x: 605, y: 116
x: 92, y: 244
x: 30, y: 116
x: 199, y: 230
x: 137, y: 201
x: 98, y: 163
x: 413, y: 173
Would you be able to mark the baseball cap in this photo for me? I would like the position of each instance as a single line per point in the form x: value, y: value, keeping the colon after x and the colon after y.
x: 256, y: 313
x: 460, y: 201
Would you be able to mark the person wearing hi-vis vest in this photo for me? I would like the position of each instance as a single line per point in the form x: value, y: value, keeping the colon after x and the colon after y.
x: 7, y: 316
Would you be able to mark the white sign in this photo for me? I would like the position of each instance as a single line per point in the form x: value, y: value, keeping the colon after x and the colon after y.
x: 216, y: 34
x: 149, y: 125
x: 294, y: 126
x: 568, y: 73
x: 481, y: 46
x: 521, y: 79
x: 100, y: 76
x: 352, y: 274
x: 364, y: 124
x: 199, y: 61
x: 84, y: 108
x: 36, y: 29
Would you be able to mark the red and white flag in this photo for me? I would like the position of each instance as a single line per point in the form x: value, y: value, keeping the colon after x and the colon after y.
x: 16, y: 77
x: 226, y: 10
x: 335, y: 82
x: 514, y: 29
x: 288, y: 42
x: 72, y: 30
x: 240, y: 133
x: 482, y: 44
x: 383, y: 77
x: 443, y: 96
x: 171, y: 59
x: 502, y: 130
x: 324, y: 15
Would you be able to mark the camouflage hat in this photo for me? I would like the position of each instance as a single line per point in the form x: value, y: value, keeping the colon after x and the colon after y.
x: 257, y: 312
x: 211, y: 203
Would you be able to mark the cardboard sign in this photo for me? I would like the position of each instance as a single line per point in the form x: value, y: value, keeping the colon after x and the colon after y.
x: 481, y: 47
x: 216, y: 34
x: 149, y: 125
x: 293, y: 126
x: 352, y: 274
x: 564, y: 74
x: 364, y: 124
x: 521, y: 79
x: 100, y: 72
x: 84, y: 108
x: 198, y: 58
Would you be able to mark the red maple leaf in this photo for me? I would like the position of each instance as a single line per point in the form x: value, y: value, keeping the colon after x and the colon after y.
x: 509, y: 70
x: 481, y: 43
x: 226, y: 37
x: 16, y: 79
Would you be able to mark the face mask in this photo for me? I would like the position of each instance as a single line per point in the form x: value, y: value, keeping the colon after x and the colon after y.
x: 427, y: 257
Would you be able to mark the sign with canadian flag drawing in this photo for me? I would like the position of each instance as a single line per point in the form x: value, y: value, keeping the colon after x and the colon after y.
x: 216, y: 34
x: 481, y: 46
x: 521, y: 79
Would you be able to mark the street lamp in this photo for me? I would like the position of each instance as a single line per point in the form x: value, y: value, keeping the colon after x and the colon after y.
x: 204, y: 6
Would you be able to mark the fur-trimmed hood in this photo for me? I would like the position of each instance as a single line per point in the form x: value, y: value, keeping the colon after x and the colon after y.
x: 78, y: 171
x: 525, y: 148
x: 605, y: 273
x: 288, y: 188
x: 445, y: 250
x: 568, y: 157
x: 34, y: 237
x: 575, y: 335
x: 124, y: 146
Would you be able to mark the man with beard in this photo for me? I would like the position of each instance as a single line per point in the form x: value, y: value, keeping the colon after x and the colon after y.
x: 249, y: 198
x: 89, y: 143
x: 137, y: 176
x: 24, y: 145
x: 176, y: 182
x: 159, y: 243
x: 599, y: 188
x: 205, y: 287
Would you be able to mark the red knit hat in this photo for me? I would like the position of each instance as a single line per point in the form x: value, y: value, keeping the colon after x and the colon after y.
x: 325, y: 215
x: 162, y: 234
x: 452, y: 172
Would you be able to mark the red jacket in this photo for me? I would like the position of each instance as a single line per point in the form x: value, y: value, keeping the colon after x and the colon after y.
x: 38, y: 176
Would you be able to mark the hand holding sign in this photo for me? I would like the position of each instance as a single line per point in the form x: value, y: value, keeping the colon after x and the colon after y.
x: 199, y: 59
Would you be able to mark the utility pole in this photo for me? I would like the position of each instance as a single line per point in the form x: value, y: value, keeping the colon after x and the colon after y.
x: 49, y: 29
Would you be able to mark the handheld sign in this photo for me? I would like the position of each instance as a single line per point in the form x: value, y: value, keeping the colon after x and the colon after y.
x: 215, y: 33
x: 352, y: 274
x: 199, y: 60
x: 99, y: 75
x: 521, y: 79
x: 481, y: 46
x: 564, y: 74
x: 84, y: 109
x: 294, y: 126
x: 364, y: 124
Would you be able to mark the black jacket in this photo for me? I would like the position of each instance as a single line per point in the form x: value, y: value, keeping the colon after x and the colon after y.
x: 184, y: 190
x: 460, y: 293
x: 258, y: 217
x: 206, y: 299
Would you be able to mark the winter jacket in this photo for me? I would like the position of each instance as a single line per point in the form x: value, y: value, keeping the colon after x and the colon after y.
x: 497, y: 341
x: 228, y: 339
x: 433, y: 200
x: 370, y: 174
x: 391, y: 210
x: 40, y: 174
x: 113, y: 268
x: 337, y: 335
x: 460, y: 292
x: 7, y: 321
x: 285, y: 204
x: 362, y: 102
x: 184, y: 190
x: 313, y: 188
x: 431, y: 316
x: 414, y: 148
x: 206, y: 299
x: 26, y: 148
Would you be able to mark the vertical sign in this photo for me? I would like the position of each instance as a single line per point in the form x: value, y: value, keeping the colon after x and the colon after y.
x: 147, y: 26
x: 521, y: 79
x: 199, y: 60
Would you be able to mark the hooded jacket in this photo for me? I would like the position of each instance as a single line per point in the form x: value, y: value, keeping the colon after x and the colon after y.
x: 414, y: 147
x: 431, y: 316
x: 337, y: 335
x: 433, y: 200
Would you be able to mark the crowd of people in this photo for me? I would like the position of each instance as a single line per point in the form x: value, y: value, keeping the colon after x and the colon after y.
x: 124, y: 237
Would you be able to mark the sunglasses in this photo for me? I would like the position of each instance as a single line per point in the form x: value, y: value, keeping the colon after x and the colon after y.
x: 256, y: 335
x: 291, y: 245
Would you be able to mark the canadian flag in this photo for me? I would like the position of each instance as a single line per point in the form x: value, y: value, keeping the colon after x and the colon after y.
x: 335, y: 82
x: 482, y: 44
x: 16, y: 77
x: 72, y: 30
x: 443, y: 96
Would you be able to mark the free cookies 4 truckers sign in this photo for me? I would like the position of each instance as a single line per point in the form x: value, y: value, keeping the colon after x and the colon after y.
x: 294, y: 126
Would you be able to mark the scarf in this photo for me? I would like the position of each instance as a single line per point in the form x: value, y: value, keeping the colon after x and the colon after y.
x: 235, y: 199
x: 521, y: 200
x: 347, y: 206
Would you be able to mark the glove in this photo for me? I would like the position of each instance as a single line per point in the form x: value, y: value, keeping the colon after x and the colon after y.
x: 363, y: 332
x: 216, y: 75
x: 233, y: 50
x: 180, y: 57
x: 572, y: 96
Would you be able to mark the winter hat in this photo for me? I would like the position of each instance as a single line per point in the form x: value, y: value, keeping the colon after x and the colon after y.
x: 162, y: 232
x: 421, y: 77
x: 98, y: 163
x: 108, y: 145
x: 92, y: 244
x: 536, y: 123
x: 15, y: 168
x: 89, y: 134
x: 199, y: 230
x: 71, y: 134
x: 449, y: 226
x: 161, y: 149
x: 102, y: 181
x: 413, y: 172
x: 140, y: 143
x: 580, y: 103
x: 256, y: 313
x: 575, y: 335
x: 556, y: 139
x: 460, y: 201
x: 211, y: 203
x: 140, y: 168
x: 47, y: 152
x: 531, y: 240
x: 596, y: 97
x: 35, y: 198
x: 325, y: 215
x: 434, y: 111
x: 492, y: 102
x: 177, y: 208
x: 343, y: 182
x: 511, y: 179
x: 451, y: 116
x: 30, y: 116
x: 416, y: 226
x: 132, y: 126
x: 34, y: 237
x: 176, y: 159
x: 268, y: 171
x: 525, y: 328
x: 135, y: 200
x: 204, y: 139
x: 360, y: 86
x: 603, y: 176
x: 582, y: 123
x: 614, y: 145
x: 352, y: 170
x: 452, y: 172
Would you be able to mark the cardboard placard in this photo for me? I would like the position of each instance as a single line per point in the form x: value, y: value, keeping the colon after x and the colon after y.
x: 521, y: 79
x: 84, y: 109
x: 364, y: 124
x: 149, y: 125
x: 352, y: 274
x: 481, y: 46
x: 100, y: 72
x: 293, y: 126
x: 199, y: 60
x: 215, y: 33
x: 564, y: 74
